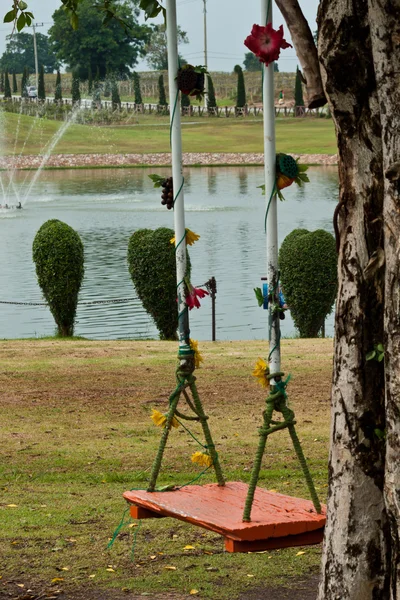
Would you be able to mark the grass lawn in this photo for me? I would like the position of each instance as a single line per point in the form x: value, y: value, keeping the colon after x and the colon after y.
x: 149, y: 134
x: 76, y: 433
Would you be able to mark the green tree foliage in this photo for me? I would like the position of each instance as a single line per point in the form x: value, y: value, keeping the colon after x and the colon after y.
x: 58, y: 90
x: 90, y: 79
x: 211, y: 101
x: 20, y: 53
x: 15, y: 85
x: 7, y: 88
x: 115, y: 47
x: 251, y: 62
x: 96, y: 96
x: 75, y: 90
x: 136, y: 88
x: 162, y: 100
x: 41, y: 88
x: 58, y: 256
x: 24, y: 82
x: 151, y: 262
x: 308, y: 268
x: 2, y: 82
x: 156, y: 49
x: 107, y: 85
x: 115, y: 98
x: 241, y: 91
x: 298, y: 89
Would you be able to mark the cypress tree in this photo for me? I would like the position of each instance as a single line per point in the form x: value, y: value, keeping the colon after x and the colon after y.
x: 41, y: 89
x: 185, y: 100
x: 2, y: 82
x: 24, y: 83
x: 162, y: 100
x: 115, y: 98
x: 15, y: 86
x: 241, y: 92
x: 58, y: 90
x: 90, y: 79
x: 298, y: 90
x: 107, y: 84
x: 7, y: 88
x: 211, y: 101
x: 136, y: 88
x: 96, y: 96
x: 75, y: 91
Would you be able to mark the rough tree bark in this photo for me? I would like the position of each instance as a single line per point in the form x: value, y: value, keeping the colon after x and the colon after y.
x: 305, y: 49
x: 384, y: 18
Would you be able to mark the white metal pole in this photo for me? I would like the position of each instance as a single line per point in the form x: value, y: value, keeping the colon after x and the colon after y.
x: 36, y: 57
x: 205, y: 53
x: 272, y: 219
x: 176, y: 150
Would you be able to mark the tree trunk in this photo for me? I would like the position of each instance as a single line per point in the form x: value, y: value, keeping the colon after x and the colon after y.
x: 305, y: 49
x: 384, y: 20
x: 356, y: 543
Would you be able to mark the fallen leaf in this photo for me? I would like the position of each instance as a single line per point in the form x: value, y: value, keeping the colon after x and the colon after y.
x: 12, y: 505
x: 92, y: 576
x: 14, y: 543
x: 249, y: 575
x: 57, y: 579
x: 170, y: 568
x: 206, y: 552
x: 110, y: 570
x: 300, y: 553
x: 193, y: 592
x: 153, y: 557
x: 189, y: 548
x: 21, y: 585
x: 174, y: 536
x: 132, y: 525
x: 273, y: 491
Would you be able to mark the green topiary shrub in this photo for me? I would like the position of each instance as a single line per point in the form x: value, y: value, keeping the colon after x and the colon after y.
x: 241, y: 91
x: 58, y: 256
x: 308, y: 270
x: 151, y: 261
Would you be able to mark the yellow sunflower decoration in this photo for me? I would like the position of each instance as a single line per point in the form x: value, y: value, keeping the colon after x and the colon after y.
x: 198, y: 358
x: 191, y: 237
x: 202, y: 459
x: 160, y: 419
x: 261, y: 371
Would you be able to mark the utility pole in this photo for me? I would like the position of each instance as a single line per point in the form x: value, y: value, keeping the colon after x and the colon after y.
x: 205, y: 52
x: 35, y: 50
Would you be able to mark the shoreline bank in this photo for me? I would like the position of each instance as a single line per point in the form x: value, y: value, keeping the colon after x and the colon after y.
x: 204, y: 159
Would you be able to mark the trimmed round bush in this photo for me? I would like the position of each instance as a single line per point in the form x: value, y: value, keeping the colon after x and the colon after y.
x: 59, y: 260
x: 151, y: 262
x: 308, y: 272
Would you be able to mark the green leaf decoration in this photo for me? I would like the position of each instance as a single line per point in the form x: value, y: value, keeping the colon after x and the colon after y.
x: 262, y: 187
x: 157, y: 180
x: 259, y: 296
x: 22, y: 5
x: 152, y: 8
x: 380, y: 433
x: 21, y: 22
x: 370, y: 355
x: 380, y: 348
x: 10, y: 16
x: 302, y: 168
x: 304, y: 177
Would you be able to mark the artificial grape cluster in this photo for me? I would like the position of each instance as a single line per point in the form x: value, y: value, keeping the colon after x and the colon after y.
x: 167, y: 196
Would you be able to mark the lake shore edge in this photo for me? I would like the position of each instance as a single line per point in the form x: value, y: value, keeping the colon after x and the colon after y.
x: 162, y: 159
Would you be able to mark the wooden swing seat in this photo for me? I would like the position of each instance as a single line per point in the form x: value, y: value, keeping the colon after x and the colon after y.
x: 277, y: 521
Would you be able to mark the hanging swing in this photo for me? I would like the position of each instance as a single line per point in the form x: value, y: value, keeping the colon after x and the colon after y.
x: 249, y: 518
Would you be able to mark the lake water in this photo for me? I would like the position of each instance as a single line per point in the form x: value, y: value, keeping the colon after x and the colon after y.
x: 223, y: 205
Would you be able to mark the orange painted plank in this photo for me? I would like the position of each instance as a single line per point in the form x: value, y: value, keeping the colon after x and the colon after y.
x: 290, y: 541
x: 220, y: 509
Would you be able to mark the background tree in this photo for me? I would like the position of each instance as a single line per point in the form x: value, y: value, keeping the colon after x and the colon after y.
x: 136, y: 88
x: 211, y: 101
x: 298, y: 90
x: 251, y: 62
x: 156, y: 49
x: 96, y: 96
x: 2, y: 81
x: 24, y: 82
x: 75, y: 88
x: 92, y: 44
x: 15, y: 85
x: 115, y: 97
x: 162, y: 100
x: 107, y: 84
x: 90, y: 79
x: 58, y: 256
x: 58, y: 88
x: 20, y: 53
x: 7, y: 88
x: 41, y: 89
x: 241, y: 92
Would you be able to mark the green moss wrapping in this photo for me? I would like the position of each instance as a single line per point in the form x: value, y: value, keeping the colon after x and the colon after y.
x: 151, y: 262
x: 59, y: 260
x: 308, y: 271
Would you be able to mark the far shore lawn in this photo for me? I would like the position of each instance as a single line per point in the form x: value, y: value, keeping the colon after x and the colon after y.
x: 148, y: 134
x: 76, y: 432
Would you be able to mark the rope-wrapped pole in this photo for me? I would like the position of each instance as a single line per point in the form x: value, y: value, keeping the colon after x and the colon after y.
x: 176, y: 152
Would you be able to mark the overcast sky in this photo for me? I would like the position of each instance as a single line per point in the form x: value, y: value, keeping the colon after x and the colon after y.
x: 229, y: 22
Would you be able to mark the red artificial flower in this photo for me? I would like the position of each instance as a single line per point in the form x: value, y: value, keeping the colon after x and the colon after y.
x: 193, y: 295
x: 266, y: 42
